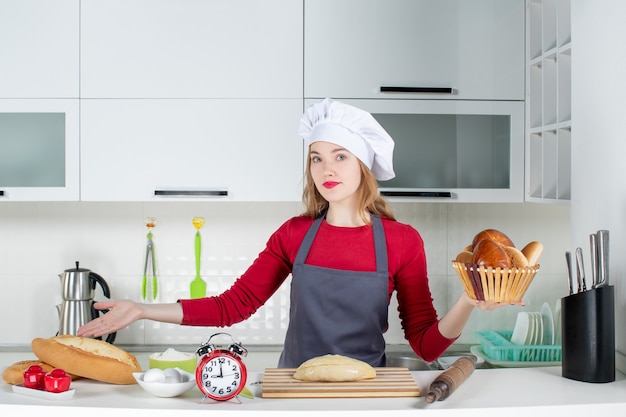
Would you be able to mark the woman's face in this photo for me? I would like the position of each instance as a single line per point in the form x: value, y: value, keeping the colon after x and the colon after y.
x: 335, y: 171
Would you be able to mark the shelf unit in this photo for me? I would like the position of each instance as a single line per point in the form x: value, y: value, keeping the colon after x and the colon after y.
x: 548, y: 101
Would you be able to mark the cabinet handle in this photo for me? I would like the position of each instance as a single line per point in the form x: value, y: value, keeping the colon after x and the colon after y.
x: 437, y: 194
x: 191, y: 193
x: 438, y: 90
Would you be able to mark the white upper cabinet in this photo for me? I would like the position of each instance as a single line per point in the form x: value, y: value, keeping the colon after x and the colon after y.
x: 453, y: 150
x: 39, y: 150
x: 355, y: 47
x: 191, y: 49
x: 39, y: 49
x: 218, y: 150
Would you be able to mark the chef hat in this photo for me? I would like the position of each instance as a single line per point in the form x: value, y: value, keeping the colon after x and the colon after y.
x: 352, y: 128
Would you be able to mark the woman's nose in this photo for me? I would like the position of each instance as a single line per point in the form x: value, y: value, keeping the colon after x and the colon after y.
x: 328, y: 168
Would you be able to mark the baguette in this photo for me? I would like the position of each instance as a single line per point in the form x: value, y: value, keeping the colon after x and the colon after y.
x: 14, y: 373
x: 89, y: 358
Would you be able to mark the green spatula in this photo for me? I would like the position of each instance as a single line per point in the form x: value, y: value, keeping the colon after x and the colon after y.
x: 198, y: 286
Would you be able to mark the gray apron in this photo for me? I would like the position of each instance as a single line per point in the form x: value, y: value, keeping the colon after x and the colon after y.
x: 335, y: 311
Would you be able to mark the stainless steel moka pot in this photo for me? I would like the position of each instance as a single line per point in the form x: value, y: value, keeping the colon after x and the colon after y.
x: 78, y: 286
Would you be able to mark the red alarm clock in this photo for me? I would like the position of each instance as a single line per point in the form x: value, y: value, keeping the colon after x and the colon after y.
x: 221, y: 373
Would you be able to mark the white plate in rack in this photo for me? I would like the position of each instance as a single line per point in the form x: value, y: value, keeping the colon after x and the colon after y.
x: 548, y: 324
x: 522, y: 329
x: 557, y: 322
x: 538, y: 340
x: 531, y: 336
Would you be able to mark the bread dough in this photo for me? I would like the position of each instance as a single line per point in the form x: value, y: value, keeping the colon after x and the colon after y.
x: 334, y: 368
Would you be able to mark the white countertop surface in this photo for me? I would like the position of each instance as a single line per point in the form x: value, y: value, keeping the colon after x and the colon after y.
x: 488, y: 392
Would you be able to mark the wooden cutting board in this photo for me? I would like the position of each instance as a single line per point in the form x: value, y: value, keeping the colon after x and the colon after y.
x: 389, y: 382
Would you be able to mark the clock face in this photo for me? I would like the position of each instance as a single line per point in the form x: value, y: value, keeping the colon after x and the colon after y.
x: 221, y: 376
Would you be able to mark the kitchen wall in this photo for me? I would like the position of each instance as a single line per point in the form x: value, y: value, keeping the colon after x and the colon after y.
x: 598, y: 146
x: 38, y: 241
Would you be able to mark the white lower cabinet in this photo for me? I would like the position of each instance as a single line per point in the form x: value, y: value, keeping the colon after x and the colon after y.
x: 224, y: 150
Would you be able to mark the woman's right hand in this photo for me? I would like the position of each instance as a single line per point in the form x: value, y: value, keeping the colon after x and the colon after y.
x: 121, y: 313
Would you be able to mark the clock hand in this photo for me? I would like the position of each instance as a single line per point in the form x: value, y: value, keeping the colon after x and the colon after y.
x: 221, y: 375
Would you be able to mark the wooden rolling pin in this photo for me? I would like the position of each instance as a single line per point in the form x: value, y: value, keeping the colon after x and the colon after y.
x: 449, y: 380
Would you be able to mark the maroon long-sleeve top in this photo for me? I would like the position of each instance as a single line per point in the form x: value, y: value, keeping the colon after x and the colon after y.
x: 349, y: 248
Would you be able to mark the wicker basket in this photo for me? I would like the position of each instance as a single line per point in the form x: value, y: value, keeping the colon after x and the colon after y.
x: 504, y: 285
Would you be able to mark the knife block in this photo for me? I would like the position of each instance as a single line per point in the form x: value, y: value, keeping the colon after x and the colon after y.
x: 588, y: 335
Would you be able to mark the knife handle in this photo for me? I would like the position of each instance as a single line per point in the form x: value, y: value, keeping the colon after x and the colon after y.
x: 570, y: 277
x: 603, y: 257
x: 593, y: 243
x: 580, y: 270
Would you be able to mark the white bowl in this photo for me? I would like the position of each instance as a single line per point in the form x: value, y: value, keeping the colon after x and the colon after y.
x: 167, y: 389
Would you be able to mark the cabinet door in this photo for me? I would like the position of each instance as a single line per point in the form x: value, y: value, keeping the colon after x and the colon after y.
x: 452, y: 151
x: 191, y: 49
x: 39, y: 48
x: 353, y: 48
x: 39, y: 150
x: 247, y: 149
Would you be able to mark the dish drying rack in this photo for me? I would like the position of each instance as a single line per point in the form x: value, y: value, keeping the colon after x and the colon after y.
x: 497, y: 346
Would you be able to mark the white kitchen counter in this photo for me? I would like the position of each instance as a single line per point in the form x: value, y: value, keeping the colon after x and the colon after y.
x: 488, y: 392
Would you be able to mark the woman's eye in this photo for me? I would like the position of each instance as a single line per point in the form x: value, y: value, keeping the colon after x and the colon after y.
x: 315, y: 159
x: 341, y: 157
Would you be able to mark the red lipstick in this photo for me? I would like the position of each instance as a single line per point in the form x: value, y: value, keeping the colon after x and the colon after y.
x: 330, y: 184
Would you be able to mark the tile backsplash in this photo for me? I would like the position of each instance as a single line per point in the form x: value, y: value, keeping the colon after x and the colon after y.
x: 38, y: 241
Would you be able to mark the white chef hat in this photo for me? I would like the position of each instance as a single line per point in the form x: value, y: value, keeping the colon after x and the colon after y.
x: 352, y: 128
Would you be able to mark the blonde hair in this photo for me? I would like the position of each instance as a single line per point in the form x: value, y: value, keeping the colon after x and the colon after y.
x: 367, y: 195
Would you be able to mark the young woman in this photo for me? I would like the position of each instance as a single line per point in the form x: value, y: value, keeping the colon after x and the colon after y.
x: 346, y: 254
